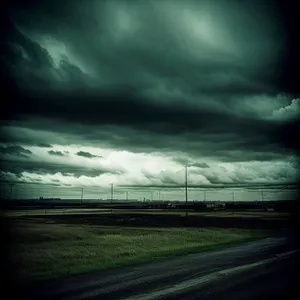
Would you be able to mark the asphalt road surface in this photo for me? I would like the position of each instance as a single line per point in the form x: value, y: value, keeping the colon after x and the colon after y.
x: 264, y: 269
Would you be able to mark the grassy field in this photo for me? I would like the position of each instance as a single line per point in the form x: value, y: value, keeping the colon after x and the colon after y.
x: 243, y: 214
x: 57, y: 211
x: 44, y: 251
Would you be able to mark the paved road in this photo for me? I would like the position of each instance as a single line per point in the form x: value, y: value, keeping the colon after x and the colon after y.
x: 254, y: 270
x: 267, y: 279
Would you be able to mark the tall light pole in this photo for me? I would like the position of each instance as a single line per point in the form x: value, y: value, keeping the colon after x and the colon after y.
x: 111, y: 196
x: 81, y: 196
x: 233, y: 201
x: 186, y: 191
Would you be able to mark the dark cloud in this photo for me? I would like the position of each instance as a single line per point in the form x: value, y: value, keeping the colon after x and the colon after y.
x: 293, y: 185
x: 87, y: 154
x: 201, y: 165
x: 43, y: 168
x: 43, y: 145
x: 56, y: 153
x: 190, y: 162
x: 126, y: 108
x: 15, y: 150
x: 55, y: 180
x: 229, y: 145
x: 76, y: 24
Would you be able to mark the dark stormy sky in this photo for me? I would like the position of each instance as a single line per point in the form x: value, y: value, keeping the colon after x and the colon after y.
x: 131, y: 91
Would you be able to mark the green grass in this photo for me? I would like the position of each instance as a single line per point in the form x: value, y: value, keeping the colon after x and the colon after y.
x: 45, y: 251
x: 43, y: 212
x: 243, y: 214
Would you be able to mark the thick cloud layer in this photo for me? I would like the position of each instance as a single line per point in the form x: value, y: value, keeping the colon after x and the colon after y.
x: 205, y: 79
x: 15, y: 150
x: 41, y: 168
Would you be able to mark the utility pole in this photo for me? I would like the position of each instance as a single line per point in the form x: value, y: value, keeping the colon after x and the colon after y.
x: 126, y: 195
x: 204, y: 196
x: 81, y: 197
x: 159, y: 195
x: 233, y: 201
x: 111, y: 195
x: 186, y: 191
x: 11, y: 190
x: 262, y: 198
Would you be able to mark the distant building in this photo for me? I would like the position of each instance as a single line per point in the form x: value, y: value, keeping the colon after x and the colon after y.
x: 215, y: 205
x: 42, y: 198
